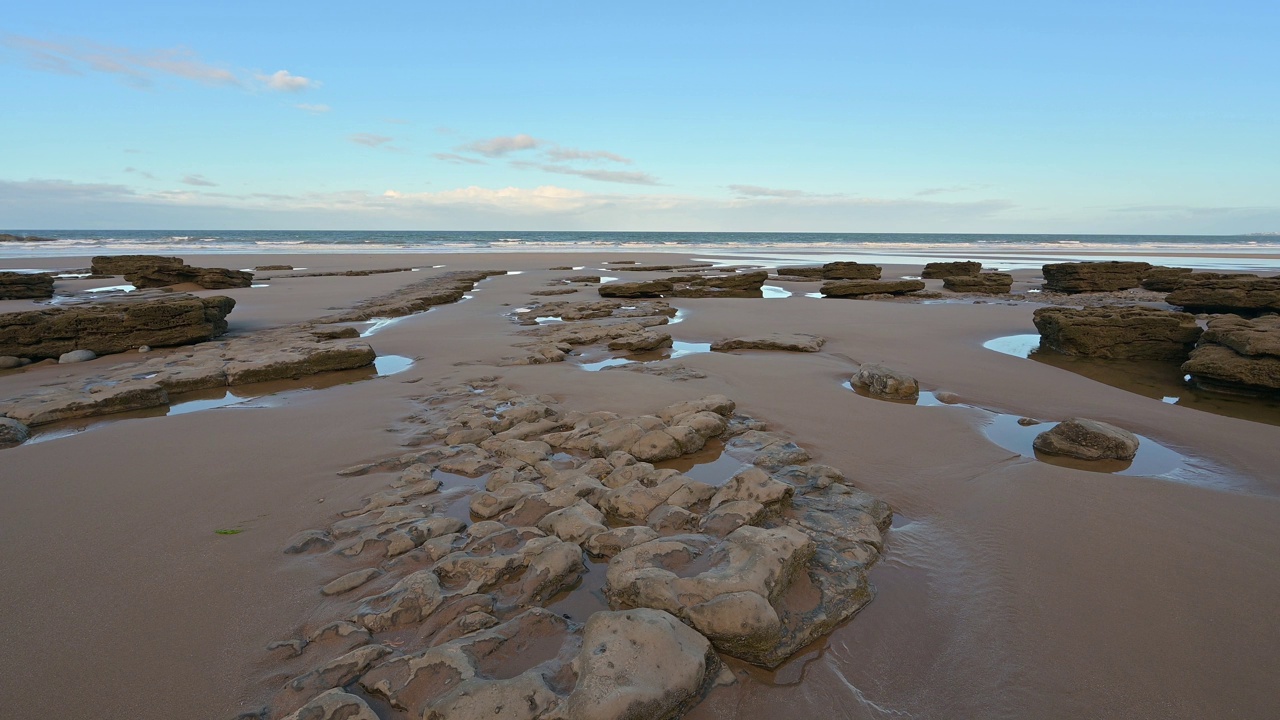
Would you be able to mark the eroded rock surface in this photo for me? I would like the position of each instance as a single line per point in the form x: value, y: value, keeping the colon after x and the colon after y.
x: 1118, y: 332
x: 1082, y: 277
x: 1238, y: 356
x: 991, y: 283
x: 941, y: 270
x: 1224, y: 293
x: 788, y: 342
x: 1088, y: 440
x: 857, y: 288
x: 25, y: 286
x: 884, y: 382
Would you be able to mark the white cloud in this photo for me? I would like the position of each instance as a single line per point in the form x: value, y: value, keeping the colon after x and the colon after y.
x: 198, y: 181
x: 284, y: 81
x: 370, y: 139
x: 137, y: 67
x: 500, y: 146
x: 566, y: 154
x: 314, y: 109
x: 140, y: 173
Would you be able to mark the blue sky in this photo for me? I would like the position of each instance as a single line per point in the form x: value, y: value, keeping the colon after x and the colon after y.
x: 806, y: 116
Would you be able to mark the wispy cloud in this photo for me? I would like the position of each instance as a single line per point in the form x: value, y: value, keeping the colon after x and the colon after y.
x: 370, y: 139
x: 950, y: 189
x: 565, y: 154
x: 313, y: 109
x: 198, y: 181
x: 612, y: 176
x: 757, y: 191
x: 500, y: 146
x: 139, y: 173
x: 458, y: 159
x: 285, y: 81
x: 141, y: 68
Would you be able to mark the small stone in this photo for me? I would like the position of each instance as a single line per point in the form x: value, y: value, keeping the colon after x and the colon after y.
x: 1088, y: 440
x: 12, y: 432
x: 1028, y: 422
x: 8, y: 362
x: 144, y: 348
x: 76, y: 356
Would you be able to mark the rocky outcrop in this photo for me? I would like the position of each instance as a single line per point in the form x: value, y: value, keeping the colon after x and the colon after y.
x: 25, y: 286
x: 1082, y: 277
x: 123, y: 264
x: 114, y: 325
x: 1238, y: 356
x: 801, y: 272
x: 941, y: 270
x: 6, y: 237
x: 262, y: 268
x: 641, y: 289
x: 208, y: 278
x: 1087, y: 440
x: 992, y: 283
x: 442, y: 289
x: 883, y: 382
x: 850, y: 271
x: 857, y: 288
x: 1118, y: 332
x: 745, y: 284
x: 787, y: 342
x: 1164, y: 279
x: 1224, y: 293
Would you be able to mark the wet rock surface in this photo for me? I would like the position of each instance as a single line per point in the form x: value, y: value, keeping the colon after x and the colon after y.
x: 1238, y: 356
x: 122, y: 264
x: 25, y: 286
x: 12, y: 433
x: 439, y: 615
x: 208, y: 278
x: 787, y: 342
x: 113, y: 325
x: 1225, y: 293
x: 992, y: 283
x: 884, y: 382
x: 739, y: 285
x: 941, y: 270
x: 1088, y: 440
x: 1117, y: 332
x: 857, y: 288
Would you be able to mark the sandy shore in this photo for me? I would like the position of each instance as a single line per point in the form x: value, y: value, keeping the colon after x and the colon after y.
x: 1009, y: 587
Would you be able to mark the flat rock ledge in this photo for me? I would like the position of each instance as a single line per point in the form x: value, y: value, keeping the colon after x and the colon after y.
x: 943, y: 270
x: 860, y: 288
x: 1118, y: 332
x: 992, y: 283
x: 459, y: 590
x: 25, y: 286
x: 730, y: 285
x: 113, y: 325
x: 1226, y: 293
x: 154, y: 271
x: 786, y: 342
x: 1238, y: 356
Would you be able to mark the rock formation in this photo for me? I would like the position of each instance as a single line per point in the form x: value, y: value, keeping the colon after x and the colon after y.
x: 1082, y: 277
x: 1164, y: 279
x: 850, y: 271
x: 941, y: 270
x: 112, y: 325
x: 124, y: 264
x: 856, y: 288
x: 25, y: 286
x: 1238, y: 356
x: 1087, y: 440
x: 1118, y: 332
x: 1226, y: 293
x: 992, y: 283
x: 738, y: 285
x: 789, y: 342
x: 880, y: 381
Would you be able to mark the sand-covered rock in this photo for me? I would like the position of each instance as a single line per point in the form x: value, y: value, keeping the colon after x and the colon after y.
x: 991, y: 283
x: 1118, y: 332
x: 1219, y: 293
x: 114, y: 325
x: 941, y: 270
x: 1088, y: 440
x: 1082, y: 277
x: 788, y: 342
x: 857, y: 288
x: 25, y: 286
x: 850, y: 271
x: 1238, y: 356
x: 884, y: 382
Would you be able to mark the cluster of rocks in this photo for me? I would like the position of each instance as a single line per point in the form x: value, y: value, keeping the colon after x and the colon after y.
x: 1238, y: 355
x: 113, y: 324
x: 735, y: 285
x: 25, y: 286
x: 1087, y: 277
x: 154, y: 271
x: 832, y: 271
x: 335, y: 273
x: 580, y: 323
x: 1118, y: 332
x: 443, y: 289
x: 459, y: 592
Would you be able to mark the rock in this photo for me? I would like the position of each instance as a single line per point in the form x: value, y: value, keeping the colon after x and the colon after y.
x: 809, y: 273
x: 291, y: 362
x: 350, y: 581
x: 577, y: 523
x: 337, y: 333
x: 335, y: 704
x: 76, y: 356
x: 730, y: 516
x: 943, y: 270
x: 209, y: 278
x: 766, y: 450
x: 851, y: 271
x: 1164, y: 279
x: 1081, y: 277
x: 772, y: 341
x: 743, y: 284
x: 25, y: 286
x: 992, y: 283
x: 1118, y: 332
x: 308, y: 540
x: 409, y: 601
x: 1088, y: 440
x: 47, y: 405
x: 114, y: 325
x: 883, y: 382
x: 612, y: 542
x: 856, y: 288
x: 9, y: 362
x: 648, y: 340
x: 12, y: 433
x: 656, y: 446
x: 642, y: 289
x: 639, y: 663
x: 262, y: 268
x: 121, y: 264
x: 1238, y: 356
x: 1216, y: 293
x: 671, y: 520
x: 752, y: 484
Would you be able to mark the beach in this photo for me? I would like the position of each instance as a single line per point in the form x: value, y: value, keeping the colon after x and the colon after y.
x: 1007, y: 586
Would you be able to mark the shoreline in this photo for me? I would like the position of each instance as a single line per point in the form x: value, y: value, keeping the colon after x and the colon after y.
x: 1009, y: 586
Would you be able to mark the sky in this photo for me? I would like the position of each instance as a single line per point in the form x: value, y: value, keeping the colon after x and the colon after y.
x: 903, y: 116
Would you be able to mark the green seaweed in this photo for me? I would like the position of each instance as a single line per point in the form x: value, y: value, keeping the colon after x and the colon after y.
x: 229, y: 531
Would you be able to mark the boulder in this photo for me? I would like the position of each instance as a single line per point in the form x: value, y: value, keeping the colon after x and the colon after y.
x: 123, y: 264
x: 641, y: 289
x: 12, y: 433
x: 1118, y: 332
x: 744, y: 284
x: 1088, y: 440
x: 1164, y: 279
x: 25, y: 286
x: 1082, y: 277
x: 788, y: 342
x: 114, y: 325
x: 647, y: 340
x: 1218, y: 293
x: 1238, y: 356
x: 639, y: 663
x: 850, y: 271
x: 855, y: 288
x: 880, y: 381
x: 813, y: 273
x: 209, y: 278
x: 942, y: 270
x: 992, y: 283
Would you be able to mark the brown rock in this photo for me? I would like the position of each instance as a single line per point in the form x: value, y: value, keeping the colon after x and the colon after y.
x: 25, y: 286
x: 942, y: 270
x: 641, y: 289
x: 992, y: 283
x: 122, y: 264
x: 1118, y: 332
x: 208, y: 278
x: 773, y: 341
x: 1238, y: 356
x: 1081, y: 277
x: 1088, y: 440
x: 851, y: 271
x: 1241, y: 294
x: 855, y: 288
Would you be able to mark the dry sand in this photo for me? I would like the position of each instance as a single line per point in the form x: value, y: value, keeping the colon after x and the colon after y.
x: 1010, y: 587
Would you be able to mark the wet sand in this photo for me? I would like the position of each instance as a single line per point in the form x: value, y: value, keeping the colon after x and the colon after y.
x: 1010, y: 587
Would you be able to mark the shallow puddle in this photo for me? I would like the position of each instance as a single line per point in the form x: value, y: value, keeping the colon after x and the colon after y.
x: 586, y: 597
x: 711, y: 465
x: 773, y: 291
x: 110, y: 288
x: 679, y: 348
x: 1163, y: 381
